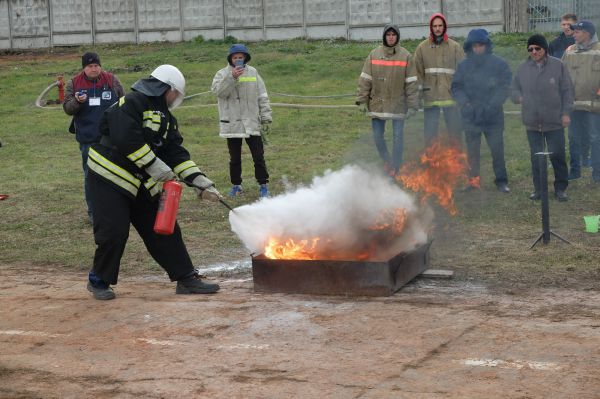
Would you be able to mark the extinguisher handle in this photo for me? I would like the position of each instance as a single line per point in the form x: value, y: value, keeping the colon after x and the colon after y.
x: 202, y: 189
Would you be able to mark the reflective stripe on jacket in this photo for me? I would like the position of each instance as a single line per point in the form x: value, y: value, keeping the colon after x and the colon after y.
x: 243, y: 103
x: 388, y: 83
x: 435, y: 65
x: 584, y: 68
x: 135, y: 132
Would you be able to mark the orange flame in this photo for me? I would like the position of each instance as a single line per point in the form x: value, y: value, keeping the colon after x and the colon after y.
x: 389, y: 219
x: 475, y: 182
x: 438, y: 171
x: 291, y: 249
x: 387, y: 226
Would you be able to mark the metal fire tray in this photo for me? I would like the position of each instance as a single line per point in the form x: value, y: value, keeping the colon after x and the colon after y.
x: 339, y: 277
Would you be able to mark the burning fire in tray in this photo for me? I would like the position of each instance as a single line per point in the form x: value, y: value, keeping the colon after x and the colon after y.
x: 352, y: 214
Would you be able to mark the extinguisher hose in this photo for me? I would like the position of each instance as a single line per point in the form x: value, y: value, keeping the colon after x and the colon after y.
x: 202, y: 189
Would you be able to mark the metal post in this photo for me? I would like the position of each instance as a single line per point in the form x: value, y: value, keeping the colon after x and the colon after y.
x: 224, y: 21
x: 50, y: 23
x: 10, y: 30
x: 181, y: 20
x: 136, y: 22
x: 543, y: 169
x: 304, y: 30
x: 546, y: 232
x: 264, y: 27
x: 93, y: 26
x: 347, y: 19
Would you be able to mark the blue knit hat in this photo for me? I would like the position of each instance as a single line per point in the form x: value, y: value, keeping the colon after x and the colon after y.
x: 238, y: 48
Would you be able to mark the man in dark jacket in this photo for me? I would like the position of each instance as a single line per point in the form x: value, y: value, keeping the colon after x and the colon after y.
x: 543, y: 87
x: 480, y: 87
x: 141, y: 146
x: 87, y: 96
x: 565, y: 39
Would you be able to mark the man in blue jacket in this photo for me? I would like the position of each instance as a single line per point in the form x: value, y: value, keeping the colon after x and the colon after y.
x: 480, y: 86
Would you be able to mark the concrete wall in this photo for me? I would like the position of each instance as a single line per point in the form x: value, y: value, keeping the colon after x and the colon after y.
x: 47, y: 23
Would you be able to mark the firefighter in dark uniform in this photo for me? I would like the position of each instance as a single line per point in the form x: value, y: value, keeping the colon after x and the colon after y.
x: 141, y: 147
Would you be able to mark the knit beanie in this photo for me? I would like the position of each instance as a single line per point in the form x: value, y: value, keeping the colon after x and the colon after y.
x: 538, y: 40
x: 90, y: 58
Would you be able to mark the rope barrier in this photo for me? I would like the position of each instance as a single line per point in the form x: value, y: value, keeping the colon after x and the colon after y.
x: 300, y: 96
x: 197, y: 94
x: 38, y: 101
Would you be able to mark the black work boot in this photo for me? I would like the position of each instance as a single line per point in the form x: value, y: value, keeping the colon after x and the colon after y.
x: 195, y: 285
x: 101, y: 293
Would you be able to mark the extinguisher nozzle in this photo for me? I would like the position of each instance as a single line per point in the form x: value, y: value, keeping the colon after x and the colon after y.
x: 226, y: 205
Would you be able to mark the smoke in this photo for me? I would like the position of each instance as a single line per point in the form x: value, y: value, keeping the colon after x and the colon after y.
x: 341, y: 208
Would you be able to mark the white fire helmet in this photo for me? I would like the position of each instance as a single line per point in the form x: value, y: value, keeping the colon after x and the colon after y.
x: 173, y: 77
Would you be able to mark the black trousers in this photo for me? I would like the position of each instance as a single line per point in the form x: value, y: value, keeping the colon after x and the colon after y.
x: 113, y: 213
x: 258, y: 156
x: 495, y: 140
x: 555, y: 140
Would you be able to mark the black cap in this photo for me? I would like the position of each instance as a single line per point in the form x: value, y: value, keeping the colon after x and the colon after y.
x: 538, y: 40
x: 90, y: 58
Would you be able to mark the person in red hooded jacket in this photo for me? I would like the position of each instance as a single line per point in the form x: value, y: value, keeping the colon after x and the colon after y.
x: 435, y: 62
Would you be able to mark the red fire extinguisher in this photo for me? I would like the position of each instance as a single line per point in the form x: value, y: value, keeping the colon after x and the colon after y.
x: 167, y: 208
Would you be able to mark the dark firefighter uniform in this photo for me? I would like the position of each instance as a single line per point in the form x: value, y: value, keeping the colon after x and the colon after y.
x: 135, y: 131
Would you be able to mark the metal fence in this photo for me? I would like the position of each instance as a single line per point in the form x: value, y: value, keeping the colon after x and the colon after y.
x: 544, y: 15
x: 47, y: 23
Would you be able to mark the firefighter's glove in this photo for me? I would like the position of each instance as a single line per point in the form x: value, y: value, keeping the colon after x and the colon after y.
x: 160, y: 171
x: 205, y: 189
x: 265, y: 131
x: 410, y: 113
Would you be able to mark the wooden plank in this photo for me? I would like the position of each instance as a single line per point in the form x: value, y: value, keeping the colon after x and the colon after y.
x: 437, y: 273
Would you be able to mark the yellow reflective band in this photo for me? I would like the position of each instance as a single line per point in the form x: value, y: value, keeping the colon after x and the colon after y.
x: 151, y: 125
x: 152, y: 186
x: 134, y: 156
x: 247, y: 78
x: 189, y: 171
x: 440, y: 103
x: 142, y: 157
x: 112, y: 172
x: 121, y: 101
x: 182, y: 166
x: 152, y: 120
x: 186, y: 168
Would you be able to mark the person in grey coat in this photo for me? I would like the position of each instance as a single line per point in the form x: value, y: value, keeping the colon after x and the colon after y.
x: 543, y: 87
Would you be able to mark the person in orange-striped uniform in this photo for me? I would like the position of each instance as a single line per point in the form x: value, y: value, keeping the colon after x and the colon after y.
x: 387, y: 90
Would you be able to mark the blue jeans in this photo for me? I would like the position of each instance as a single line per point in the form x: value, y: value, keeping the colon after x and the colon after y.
x: 85, y: 148
x: 432, y: 122
x: 398, y: 141
x: 579, y: 139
